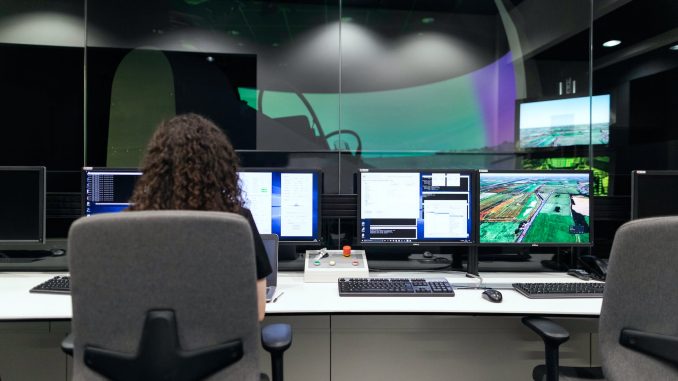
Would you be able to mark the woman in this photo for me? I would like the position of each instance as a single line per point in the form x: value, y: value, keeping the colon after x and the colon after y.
x: 190, y: 164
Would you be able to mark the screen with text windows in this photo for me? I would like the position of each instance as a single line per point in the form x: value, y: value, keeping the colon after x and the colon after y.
x: 22, y: 204
x: 283, y: 202
x: 107, y: 190
x: 401, y: 207
x: 535, y: 207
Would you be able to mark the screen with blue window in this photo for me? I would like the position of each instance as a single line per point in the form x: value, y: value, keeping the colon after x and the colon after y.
x: 107, y: 190
x: 283, y: 202
x: 416, y: 207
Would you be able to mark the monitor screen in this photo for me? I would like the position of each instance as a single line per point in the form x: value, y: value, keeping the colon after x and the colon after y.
x: 416, y: 207
x: 107, y: 190
x: 283, y: 202
x: 535, y: 208
x: 22, y: 204
x: 564, y: 122
x: 653, y: 194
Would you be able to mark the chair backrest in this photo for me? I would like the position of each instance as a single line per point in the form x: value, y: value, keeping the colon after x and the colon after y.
x: 198, y: 264
x: 640, y: 294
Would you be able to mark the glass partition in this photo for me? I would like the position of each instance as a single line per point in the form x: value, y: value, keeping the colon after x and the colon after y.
x: 335, y: 85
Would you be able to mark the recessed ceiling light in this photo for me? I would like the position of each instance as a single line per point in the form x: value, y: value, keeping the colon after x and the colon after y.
x: 611, y: 43
x: 428, y: 20
x: 674, y: 47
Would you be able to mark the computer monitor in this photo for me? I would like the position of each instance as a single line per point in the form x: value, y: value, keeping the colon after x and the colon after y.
x: 22, y: 204
x: 282, y: 202
x: 653, y: 194
x: 107, y: 190
x: 536, y: 208
x: 416, y: 207
x: 285, y: 202
x: 564, y: 122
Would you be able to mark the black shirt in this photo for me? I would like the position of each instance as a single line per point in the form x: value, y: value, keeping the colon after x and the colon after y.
x: 261, y: 258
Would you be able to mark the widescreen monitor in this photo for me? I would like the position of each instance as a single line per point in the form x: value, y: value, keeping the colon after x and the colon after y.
x: 536, y: 208
x: 653, y: 194
x: 416, y: 207
x: 282, y: 202
x: 285, y: 202
x: 22, y: 204
x: 564, y: 122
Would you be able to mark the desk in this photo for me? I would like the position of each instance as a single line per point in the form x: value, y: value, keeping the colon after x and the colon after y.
x: 349, y: 338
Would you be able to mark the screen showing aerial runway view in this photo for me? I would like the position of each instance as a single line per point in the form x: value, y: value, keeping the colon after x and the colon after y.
x: 565, y: 122
x: 535, y: 208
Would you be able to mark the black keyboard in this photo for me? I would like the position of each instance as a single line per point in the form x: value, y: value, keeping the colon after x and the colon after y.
x: 394, y: 287
x: 56, y: 285
x: 560, y: 290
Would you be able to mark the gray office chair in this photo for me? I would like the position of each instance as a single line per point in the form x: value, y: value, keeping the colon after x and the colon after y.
x: 166, y: 295
x: 638, y: 326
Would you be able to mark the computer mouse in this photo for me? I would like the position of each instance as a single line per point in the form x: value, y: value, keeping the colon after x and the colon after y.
x: 58, y: 252
x: 492, y: 295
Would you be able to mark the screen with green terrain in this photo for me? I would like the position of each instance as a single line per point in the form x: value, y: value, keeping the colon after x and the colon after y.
x: 535, y: 208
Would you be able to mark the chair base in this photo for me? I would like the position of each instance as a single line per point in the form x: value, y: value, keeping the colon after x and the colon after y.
x: 568, y: 373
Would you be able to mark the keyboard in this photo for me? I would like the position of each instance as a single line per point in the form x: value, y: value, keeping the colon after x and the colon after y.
x: 560, y: 290
x: 394, y: 287
x: 56, y: 285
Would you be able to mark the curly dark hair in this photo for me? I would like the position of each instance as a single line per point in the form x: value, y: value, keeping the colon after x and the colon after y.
x: 189, y: 164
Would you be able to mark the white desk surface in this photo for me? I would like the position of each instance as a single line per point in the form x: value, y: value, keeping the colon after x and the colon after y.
x: 323, y: 298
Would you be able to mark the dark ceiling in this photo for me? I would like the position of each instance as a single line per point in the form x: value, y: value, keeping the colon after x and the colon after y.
x: 633, y: 23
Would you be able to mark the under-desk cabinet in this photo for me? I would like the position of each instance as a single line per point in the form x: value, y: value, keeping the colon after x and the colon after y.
x: 353, y: 347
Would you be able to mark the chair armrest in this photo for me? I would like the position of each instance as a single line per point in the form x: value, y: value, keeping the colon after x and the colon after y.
x: 551, y: 332
x: 660, y: 346
x: 276, y: 337
x: 67, y: 344
x: 553, y: 335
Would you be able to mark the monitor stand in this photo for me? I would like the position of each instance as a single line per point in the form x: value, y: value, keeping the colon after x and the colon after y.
x: 506, y: 257
x: 23, y: 256
x: 414, y: 262
x: 289, y: 259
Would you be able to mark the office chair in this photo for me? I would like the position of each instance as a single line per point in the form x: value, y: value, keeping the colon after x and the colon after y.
x: 166, y: 295
x: 638, y: 330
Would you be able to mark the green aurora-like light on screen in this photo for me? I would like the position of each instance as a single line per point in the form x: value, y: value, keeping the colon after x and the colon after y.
x: 442, y: 116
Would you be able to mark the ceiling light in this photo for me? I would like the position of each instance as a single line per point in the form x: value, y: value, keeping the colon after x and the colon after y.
x: 428, y: 20
x: 611, y: 43
x: 347, y: 19
x: 210, y: 59
x: 674, y: 47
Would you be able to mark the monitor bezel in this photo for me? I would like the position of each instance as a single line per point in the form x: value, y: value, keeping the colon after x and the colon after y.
x: 539, y: 244
x: 313, y: 241
x: 83, y: 182
x: 42, y: 202
x: 635, y: 175
x: 474, y: 211
x: 571, y: 147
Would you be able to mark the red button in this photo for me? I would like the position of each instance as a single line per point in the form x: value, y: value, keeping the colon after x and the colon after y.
x: 346, y: 251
